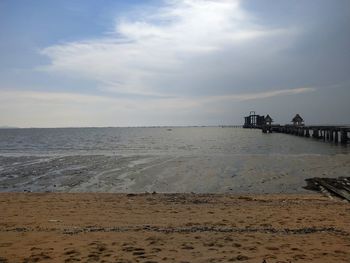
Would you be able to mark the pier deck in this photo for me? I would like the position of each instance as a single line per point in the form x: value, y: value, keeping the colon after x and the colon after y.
x: 335, y: 134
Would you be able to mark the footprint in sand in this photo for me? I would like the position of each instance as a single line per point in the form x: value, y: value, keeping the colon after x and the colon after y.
x: 272, y: 248
x: 187, y: 246
x: 299, y: 256
x: 210, y: 244
x: 93, y: 257
x: 73, y: 255
x: 155, y: 241
x: 139, y: 253
x: 5, y: 245
x: 236, y: 245
x: 97, y: 251
x: 37, y: 257
x: 70, y: 252
x: 69, y: 260
x: 132, y: 249
x: 238, y: 258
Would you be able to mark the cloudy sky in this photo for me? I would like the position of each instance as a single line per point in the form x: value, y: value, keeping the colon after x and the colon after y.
x: 173, y: 62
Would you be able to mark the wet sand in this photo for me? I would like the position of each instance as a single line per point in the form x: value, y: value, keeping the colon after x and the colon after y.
x: 237, y: 174
x: 149, y: 228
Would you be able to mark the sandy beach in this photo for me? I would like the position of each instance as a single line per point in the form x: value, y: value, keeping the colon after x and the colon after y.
x: 149, y: 228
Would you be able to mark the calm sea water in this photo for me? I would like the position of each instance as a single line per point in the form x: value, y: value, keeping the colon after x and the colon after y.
x: 171, y: 141
x: 198, y: 159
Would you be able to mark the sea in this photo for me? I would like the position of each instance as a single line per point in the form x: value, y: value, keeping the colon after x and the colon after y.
x: 164, y: 160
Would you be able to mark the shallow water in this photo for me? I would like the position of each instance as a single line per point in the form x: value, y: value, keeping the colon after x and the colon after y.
x: 156, y: 141
x: 197, y: 159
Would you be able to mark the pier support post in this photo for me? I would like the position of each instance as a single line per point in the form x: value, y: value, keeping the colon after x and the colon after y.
x: 344, y: 136
x: 336, y: 138
x: 307, y: 133
x: 331, y: 135
x: 319, y: 134
x: 328, y: 136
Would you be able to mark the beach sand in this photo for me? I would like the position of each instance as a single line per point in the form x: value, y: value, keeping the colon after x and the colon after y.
x: 149, y: 228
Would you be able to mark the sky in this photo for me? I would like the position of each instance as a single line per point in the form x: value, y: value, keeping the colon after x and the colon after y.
x: 83, y: 63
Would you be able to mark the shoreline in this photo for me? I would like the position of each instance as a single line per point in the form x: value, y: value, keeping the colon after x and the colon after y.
x: 238, y: 174
x: 112, y: 227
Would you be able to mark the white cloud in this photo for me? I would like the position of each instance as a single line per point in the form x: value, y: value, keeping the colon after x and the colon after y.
x: 263, y: 95
x: 144, y: 56
x: 56, y: 109
x: 153, y: 103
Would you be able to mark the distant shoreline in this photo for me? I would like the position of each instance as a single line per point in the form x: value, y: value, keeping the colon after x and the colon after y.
x: 175, y: 126
x: 96, y: 127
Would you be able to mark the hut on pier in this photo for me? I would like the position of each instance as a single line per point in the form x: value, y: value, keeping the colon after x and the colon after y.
x: 268, y: 120
x: 298, y: 121
x: 253, y: 120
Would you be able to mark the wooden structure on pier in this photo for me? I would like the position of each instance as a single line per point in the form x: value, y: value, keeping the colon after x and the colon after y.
x: 253, y: 121
x: 268, y: 120
x: 327, y: 133
x: 298, y: 121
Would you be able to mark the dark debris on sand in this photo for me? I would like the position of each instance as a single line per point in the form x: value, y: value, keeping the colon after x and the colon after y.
x: 339, y: 187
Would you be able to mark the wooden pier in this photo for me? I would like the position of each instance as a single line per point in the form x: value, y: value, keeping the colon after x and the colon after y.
x: 335, y: 134
x: 327, y: 133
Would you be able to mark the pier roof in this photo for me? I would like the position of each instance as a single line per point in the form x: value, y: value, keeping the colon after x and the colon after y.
x: 268, y: 118
x: 297, y: 118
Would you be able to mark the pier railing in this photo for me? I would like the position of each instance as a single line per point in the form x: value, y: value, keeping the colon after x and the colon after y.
x: 334, y: 134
